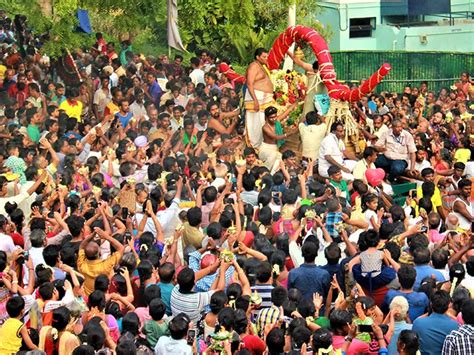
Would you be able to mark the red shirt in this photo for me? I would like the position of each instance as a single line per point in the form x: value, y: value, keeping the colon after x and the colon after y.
x: 101, y: 46
x: 254, y: 344
x: 18, y: 239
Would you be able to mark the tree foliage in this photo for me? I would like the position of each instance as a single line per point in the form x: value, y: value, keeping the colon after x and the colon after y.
x: 234, y: 28
x: 229, y: 28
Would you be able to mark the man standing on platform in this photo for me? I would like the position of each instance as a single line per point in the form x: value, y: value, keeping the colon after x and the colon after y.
x: 259, y: 95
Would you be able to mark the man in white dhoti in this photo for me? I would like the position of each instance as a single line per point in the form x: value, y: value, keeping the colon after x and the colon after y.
x: 259, y: 95
x: 333, y: 152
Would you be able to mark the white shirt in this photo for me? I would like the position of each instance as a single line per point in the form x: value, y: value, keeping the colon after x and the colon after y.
x: 175, y: 125
x: 168, y: 220
x: 469, y: 169
x: 368, y: 214
x: 162, y: 82
x: 167, y: 345
x: 311, y: 137
x: 199, y: 127
x: 423, y: 165
x: 218, y: 182
x: 419, y: 167
x: 36, y: 256
x: 6, y: 243
x: 18, y: 199
x: 464, y: 223
x: 113, y: 80
x: 334, y: 147
x: 197, y: 76
x: 25, y: 205
x: 137, y: 109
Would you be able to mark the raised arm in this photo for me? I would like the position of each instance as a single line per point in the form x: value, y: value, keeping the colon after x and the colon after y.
x: 305, y: 66
x: 113, y: 242
x: 47, y: 145
x: 244, y: 281
x: 124, y: 272
x: 86, y: 240
x: 460, y: 253
x: 37, y: 183
x: 220, y: 128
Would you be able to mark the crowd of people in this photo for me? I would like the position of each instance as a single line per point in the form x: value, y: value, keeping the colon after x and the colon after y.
x: 154, y: 208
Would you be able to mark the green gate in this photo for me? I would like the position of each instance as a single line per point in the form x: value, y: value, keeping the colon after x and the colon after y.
x: 439, y: 69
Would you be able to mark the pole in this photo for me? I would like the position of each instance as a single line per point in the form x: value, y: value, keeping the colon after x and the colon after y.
x: 288, y: 63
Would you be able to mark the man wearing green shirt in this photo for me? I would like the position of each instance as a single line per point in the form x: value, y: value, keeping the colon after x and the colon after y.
x: 33, y: 117
x: 335, y: 179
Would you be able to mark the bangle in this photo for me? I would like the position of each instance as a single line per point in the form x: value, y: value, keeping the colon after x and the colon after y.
x: 379, y: 339
x: 14, y: 281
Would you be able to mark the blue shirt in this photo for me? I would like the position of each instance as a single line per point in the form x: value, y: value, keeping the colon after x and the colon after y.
x: 432, y: 331
x: 423, y: 271
x: 204, y: 284
x: 155, y: 92
x: 333, y: 269
x: 125, y: 119
x: 399, y: 326
x: 309, y: 279
x: 166, y: 295
x: 72, y: 134
x: 333, y: 218
x: 418, y: 302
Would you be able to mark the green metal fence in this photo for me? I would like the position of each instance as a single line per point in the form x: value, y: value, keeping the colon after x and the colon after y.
x: 439, y: 69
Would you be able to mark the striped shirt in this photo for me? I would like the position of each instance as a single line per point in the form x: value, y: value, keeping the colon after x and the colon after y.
x: 190, y: 303
x: 267, y: 316
x: 265, y: 291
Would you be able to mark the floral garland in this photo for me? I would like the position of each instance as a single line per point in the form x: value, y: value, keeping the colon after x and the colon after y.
x: 289, y: 87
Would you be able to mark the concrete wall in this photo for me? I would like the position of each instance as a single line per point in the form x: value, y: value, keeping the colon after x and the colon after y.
x: 458, y: 38
x: 337, y: 14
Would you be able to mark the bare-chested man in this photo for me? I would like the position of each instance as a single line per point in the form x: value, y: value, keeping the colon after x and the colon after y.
x: 269, y: 152
x: 259, y: 95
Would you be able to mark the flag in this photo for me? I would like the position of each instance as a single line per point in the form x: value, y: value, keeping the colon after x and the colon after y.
x: 174, y: 39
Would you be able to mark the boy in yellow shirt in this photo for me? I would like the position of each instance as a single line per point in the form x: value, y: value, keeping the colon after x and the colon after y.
x: 428, y: 176
x: 13, y: 331
x: 71, y: 106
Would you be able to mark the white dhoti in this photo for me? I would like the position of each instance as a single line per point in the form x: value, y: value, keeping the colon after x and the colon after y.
x: 349, y: 164
x: 254, y: 120
x: 269, y: 155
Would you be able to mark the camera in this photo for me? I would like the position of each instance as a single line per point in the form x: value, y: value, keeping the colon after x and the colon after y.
x: 364, y: 328
x: 23, y: 257
x: 191, y: 336
x: 124, y: 212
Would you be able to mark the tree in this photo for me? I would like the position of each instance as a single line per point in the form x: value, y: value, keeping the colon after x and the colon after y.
x: 234, y: 28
